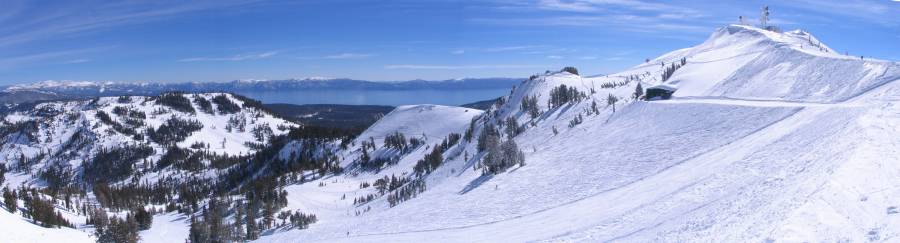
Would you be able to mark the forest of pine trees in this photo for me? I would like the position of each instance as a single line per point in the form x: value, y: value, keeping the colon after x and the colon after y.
x: 112, y: 164
x: 174, y: 130
x: 530, y: 106
x: 225, y: 105
x: 563, y: 94
x: 672, y: 67
x: 176, y: 101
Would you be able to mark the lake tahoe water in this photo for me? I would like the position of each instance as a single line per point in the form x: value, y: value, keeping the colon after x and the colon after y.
x: 376, y: 97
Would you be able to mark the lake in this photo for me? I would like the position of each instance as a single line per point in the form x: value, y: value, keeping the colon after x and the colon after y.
x: 377, y: 97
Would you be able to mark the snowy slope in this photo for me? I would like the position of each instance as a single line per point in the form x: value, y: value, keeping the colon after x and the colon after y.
x: 429, y: 123
x: 747, y: 62
x: 71, y: 132
x: 771, y: 136
x: 16, y: 229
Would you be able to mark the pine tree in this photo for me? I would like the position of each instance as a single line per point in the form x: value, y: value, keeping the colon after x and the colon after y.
x: 252, y: 229
x: 612, y: 101
x: 9, y: 200
x: 638, y: 91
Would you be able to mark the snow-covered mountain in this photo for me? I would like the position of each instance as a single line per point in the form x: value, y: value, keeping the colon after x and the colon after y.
x: 768, y: 137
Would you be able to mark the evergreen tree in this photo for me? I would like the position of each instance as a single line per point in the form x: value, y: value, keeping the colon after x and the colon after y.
x: 571, y: 70
x: 638, y: 91
x: 144, y: 219
x: 611, y: 100
x: 9, y: 200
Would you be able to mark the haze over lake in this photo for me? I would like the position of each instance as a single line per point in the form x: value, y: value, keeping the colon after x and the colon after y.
x: 377, y: 97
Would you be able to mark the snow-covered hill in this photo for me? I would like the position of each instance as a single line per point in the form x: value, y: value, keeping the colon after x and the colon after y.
x: 770, y: 136
x: 71, y: 133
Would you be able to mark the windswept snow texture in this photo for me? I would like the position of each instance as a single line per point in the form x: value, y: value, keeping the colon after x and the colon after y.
x: 746, y: 62
x: 770, y: 137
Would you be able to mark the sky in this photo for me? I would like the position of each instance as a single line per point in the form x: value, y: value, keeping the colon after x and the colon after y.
x: 223, y: 40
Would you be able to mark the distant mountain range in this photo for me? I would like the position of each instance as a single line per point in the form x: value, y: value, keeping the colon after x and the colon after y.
x: 50, y: 90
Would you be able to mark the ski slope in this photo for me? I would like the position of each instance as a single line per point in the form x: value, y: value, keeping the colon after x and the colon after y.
x: 770, y: 137
x: 17, y: 229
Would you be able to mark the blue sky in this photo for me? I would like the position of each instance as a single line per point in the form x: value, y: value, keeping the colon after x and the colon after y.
x: 175, y: 41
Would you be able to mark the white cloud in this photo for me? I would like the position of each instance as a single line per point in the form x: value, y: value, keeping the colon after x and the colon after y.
x: 458, y: 52
x: 348, y: 56
x: 554, y: 57
x: 588, y: 58
x: 240, y: 57
x: 451, y: 67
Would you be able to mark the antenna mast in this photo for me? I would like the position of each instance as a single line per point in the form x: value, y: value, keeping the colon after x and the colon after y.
x: 764, y: 19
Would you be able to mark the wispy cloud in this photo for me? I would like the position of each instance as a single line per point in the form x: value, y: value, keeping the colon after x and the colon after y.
x: 53, y: 57
x: 511, y: 48
x: 554, y: 57
x: 575, y: 6
x: 588, y: 58
x: 18, y: 25
x: 879, y: 12
x: 458, y: 52
x: 240, y: 57
x: 452, y: 67
x: 349, y: 56
x: 76, y: 61
x: 616, y: 5
x: 631, y: 23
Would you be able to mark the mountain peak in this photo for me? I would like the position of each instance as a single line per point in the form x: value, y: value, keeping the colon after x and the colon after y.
x: 745, y: 34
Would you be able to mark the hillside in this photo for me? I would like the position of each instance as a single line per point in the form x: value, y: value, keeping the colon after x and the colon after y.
x: 68, y: 133
x: 765, y: 140
x: 86, y: 154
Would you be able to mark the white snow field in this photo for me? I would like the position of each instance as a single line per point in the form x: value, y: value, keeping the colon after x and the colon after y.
x: 770, y: 137
x: 17, y: 229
